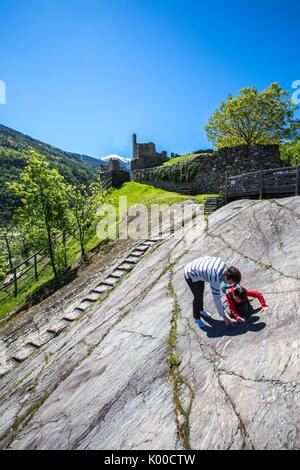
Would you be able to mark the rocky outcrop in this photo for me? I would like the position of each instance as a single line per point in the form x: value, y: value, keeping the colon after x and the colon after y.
x: 133, y: 372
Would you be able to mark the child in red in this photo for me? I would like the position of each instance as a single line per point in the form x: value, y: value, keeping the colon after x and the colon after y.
x: 237, y: 303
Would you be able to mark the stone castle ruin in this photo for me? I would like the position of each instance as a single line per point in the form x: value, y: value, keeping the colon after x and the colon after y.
x: 206, y: 173
x: 146, y: 156
x: 114, y: 173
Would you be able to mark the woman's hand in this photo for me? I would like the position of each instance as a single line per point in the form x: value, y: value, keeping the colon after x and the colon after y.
x: 264, y: 309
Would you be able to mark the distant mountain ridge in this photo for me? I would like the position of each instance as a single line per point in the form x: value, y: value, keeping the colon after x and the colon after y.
x: 42, y: 147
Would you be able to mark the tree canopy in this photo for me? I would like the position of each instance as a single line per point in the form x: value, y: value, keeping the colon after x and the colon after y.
x: 254, y: 117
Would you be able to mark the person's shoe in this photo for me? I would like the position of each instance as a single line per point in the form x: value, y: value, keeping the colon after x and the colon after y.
x: 200, y: 323
x: 205, y: 314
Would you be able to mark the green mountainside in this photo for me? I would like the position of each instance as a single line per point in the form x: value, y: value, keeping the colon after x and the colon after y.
x: 15, y: 147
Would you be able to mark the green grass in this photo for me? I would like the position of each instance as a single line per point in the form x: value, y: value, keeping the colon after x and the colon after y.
x: 182, y: 158
x: 25, y: 289
x: 136, y: 194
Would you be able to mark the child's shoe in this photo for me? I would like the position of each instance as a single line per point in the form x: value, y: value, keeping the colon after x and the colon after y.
x: 200, y: 323
x: 205, y: 314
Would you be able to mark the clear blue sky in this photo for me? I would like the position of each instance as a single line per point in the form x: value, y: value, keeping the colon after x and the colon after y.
x: 84, y: 75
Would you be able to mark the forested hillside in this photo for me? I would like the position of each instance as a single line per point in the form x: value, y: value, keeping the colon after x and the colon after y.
x: 15, y: 147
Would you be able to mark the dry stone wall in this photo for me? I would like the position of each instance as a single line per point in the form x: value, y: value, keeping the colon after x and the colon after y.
x: 206, y: 173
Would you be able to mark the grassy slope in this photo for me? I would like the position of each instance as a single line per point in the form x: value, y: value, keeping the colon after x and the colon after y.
x: 181, y: 159
x: 145, y: 194
x: 137, y: 194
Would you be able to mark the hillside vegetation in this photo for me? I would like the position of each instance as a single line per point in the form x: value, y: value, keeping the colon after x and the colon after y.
x: 15, y: 148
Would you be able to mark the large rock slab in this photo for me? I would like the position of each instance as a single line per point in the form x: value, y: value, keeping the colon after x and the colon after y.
x: 133, y: 372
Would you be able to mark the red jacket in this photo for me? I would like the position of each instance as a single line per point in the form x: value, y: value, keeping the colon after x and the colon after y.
x: 251, y: 293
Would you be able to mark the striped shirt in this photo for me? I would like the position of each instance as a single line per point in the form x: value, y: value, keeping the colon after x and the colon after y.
x: 208, y: 269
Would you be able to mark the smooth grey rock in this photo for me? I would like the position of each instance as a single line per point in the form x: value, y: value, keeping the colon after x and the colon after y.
x: 105, y: 381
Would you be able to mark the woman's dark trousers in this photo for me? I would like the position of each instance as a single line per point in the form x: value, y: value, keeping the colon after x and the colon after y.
x: 197, y: 289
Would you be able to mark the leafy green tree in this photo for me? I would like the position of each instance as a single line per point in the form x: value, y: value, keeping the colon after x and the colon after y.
x: 45, y: 210
x: 84, y: 201
x: 254, y: 118
x: 290, y: 152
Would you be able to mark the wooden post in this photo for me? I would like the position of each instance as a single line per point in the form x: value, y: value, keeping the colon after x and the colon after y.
x: 260, y: 184
x: 226, y: 187
x: 35, y: 268
x: 15, y: 282
x: 297, y: 180
x: 9, y: 252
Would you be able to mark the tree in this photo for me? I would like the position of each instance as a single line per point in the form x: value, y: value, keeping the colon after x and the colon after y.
x: 84, y: 201
x: 254, y: 118
x: 45, y: 211
x: 290, y: 152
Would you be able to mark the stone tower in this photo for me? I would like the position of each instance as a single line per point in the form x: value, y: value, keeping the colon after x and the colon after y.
x: 145, y: 155
x: 134, y: 146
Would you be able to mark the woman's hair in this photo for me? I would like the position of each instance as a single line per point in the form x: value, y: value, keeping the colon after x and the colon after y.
x: 240, y: 292
x: 233, y: 274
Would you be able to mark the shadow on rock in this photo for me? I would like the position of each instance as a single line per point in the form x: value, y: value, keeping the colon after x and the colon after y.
x: 217, y: 328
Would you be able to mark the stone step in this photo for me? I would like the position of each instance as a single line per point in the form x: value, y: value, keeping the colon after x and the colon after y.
x: 142, y: 248
x: 100, y: 289
x: 23, y: 354
x: 84, y: 305
x: 110, y: 281
x: 72, y: 316
x: 118, y: 272
x: 132, y: 260
x: 136, y: 253
x: 39, y: 340
x: 126, y: 266
x: 93, y: 296
x: 57, y: 328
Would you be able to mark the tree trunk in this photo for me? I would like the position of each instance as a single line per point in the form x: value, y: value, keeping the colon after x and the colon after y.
x: 50, y: 245
x: 81, y: 239
x: 65, y: 249
x: 51, y: 253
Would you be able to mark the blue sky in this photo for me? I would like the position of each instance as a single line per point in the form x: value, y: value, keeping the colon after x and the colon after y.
x: 83, y: 75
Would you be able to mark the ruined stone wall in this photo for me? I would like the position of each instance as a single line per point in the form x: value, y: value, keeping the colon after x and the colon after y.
x: 145, y: 155
x: 114, y: 171
x: 206, y: 173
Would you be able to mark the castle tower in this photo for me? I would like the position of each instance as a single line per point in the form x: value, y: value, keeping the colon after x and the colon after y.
x: 134, y: 146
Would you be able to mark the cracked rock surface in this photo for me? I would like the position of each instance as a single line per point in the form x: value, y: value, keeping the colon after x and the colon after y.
x: 107, y: 380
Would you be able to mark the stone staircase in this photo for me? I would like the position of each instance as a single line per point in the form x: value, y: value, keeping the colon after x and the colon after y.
x: 56, y: 326
x: 211, y: 204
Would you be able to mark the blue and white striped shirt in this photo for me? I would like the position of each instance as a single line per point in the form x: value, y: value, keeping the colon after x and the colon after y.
x: 208, y: 269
